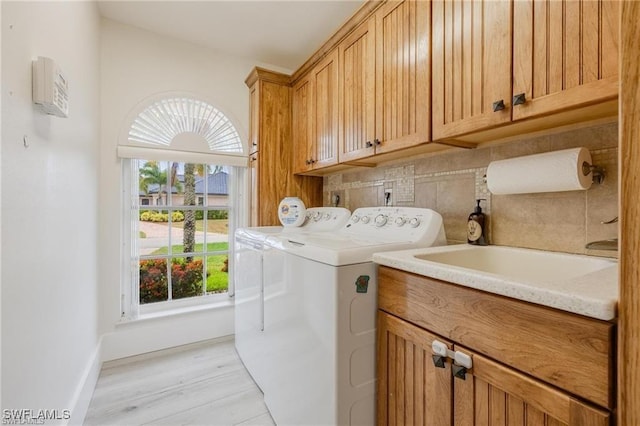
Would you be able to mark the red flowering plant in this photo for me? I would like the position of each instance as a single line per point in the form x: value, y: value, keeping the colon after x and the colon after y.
x: 153, y: 280
x: 186, y: 278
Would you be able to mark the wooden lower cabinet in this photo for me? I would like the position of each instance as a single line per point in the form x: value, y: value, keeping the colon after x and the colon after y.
x: 493, y: 394
x: 531, y: 365
x: 413, y: 391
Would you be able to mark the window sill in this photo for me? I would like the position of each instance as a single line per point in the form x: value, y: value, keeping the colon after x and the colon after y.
x: 176, y: 312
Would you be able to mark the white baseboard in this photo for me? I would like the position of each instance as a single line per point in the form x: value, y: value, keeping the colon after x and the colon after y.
x: 84, y: 391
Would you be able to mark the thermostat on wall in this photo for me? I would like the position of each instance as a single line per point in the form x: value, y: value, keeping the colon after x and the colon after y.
x: 50, y: 87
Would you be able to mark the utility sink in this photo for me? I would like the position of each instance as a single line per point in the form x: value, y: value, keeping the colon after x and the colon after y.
x: 519, y: 264
x: 586, y: 285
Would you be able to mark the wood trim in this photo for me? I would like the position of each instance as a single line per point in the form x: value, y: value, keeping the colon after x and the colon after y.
x: 629, y: 155
x: 264, y: 74
x: 356, y: 19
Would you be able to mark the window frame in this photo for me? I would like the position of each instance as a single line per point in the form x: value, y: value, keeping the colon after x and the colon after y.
x: 131, y: 308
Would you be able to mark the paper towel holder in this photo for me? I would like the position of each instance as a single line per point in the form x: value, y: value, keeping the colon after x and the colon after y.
x: 598, y: 172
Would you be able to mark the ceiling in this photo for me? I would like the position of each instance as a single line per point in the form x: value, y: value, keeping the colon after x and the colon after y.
x: 280, y: 33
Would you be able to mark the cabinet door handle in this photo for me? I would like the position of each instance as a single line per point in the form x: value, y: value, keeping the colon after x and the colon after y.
x: 368, y: 144
x: 253, y: 158
x: 438, y: 360
x: 308, y: 162
x: 313, y: 161
x: 519, y: 99
x: 377, y: 142
x: 498, y: 105
x: 255, y: 144
x: 459, y: 372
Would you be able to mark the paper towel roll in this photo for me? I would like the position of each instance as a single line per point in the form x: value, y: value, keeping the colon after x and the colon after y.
x: 548, y: 172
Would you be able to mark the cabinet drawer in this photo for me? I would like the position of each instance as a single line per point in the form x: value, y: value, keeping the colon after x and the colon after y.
x: 572, y: 352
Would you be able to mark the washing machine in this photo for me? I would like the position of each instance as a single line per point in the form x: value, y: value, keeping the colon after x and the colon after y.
x: 259, y: 282
x: 319, y: 354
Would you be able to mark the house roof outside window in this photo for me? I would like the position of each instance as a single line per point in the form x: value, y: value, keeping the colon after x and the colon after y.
x: 216, y: 185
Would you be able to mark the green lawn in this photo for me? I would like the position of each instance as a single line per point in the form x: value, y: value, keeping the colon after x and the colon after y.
x: 220, y: 226
x: 217, y: 281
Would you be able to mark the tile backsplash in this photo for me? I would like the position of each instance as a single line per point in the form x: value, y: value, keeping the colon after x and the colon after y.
x: 450, y: 183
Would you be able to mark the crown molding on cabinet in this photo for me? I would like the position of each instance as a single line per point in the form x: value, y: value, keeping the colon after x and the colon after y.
x: 356, y: 19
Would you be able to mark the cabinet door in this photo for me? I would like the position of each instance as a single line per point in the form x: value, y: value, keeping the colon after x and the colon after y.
x: 325, y: 105
x: 471, y: 65
x: 493, y: 394
x: 254, y: 118
x: 402, y: 74
x: 254, y: 199
x: 411, y: 390
x: 357, y: 93
x: 302, y: 130
x: 565, y: 55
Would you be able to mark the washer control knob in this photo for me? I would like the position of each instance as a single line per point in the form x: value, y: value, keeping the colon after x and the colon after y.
x: 380, y: 220
x: 401, y: 221
x: 327, y: 216
x: 355, y: 218
x: 414, y: 222
x: 365, y: 219
x: 317, y: 216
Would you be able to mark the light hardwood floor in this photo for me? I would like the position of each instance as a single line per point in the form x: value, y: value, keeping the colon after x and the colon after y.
x: 199, y: 384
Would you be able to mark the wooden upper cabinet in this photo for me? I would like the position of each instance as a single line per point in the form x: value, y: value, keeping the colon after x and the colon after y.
x: 302, y: 125
x: 357, y: 93
x: 254, y: 199
x: 254, y: 118
x: 493, y: 394
x: 471, y: 65
x: 315, y: 117
x: 402, y: 74
x: 325, y: 106
x: 565, y: 55
x: 270, y: 100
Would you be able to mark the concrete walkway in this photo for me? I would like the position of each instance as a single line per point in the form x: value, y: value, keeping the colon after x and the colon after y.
x: 157, y: 236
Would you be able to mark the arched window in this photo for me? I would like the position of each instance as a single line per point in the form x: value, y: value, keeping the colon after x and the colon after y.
x: 184, y: 166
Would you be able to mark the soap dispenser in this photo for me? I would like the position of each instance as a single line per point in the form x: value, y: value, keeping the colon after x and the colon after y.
x: 475, y: 226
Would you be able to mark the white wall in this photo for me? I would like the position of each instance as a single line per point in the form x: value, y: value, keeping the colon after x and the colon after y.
x: 138, y: 65
x: 49, y: 210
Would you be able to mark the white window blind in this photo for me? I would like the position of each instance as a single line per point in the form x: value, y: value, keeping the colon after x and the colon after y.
x: 182, y: 128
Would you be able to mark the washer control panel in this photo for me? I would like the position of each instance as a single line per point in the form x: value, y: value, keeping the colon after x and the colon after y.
x: 325, y: 218
x: 394, y: 223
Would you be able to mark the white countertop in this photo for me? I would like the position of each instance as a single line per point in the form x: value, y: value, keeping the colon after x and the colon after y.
x: 593, y: 294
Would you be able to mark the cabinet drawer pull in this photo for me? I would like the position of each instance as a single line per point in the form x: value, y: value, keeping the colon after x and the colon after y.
x: 368, y: 144
x: 498, y: 105
x: 519, y: 99
x: 377, y: 142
